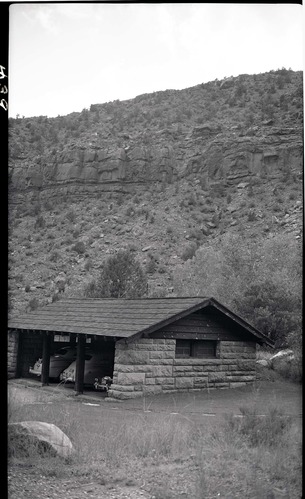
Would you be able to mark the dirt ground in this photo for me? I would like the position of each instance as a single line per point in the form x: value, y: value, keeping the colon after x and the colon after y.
x: 202, y: 408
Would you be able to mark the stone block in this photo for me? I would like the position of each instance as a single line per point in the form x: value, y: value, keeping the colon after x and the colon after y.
x: 170, y: 347
x: 122, y: 388
x: 232, y: 367
x: 242, y: 374
x: 160, y: 355
x: 132, y: 357
x: 138, y: 388
x: 161, y: 362
x: 145, y: 341
x: 197, y: 362
x: 182, y: 369
x: 150, y: 381
x: 148, y: 348
x: 217, y: 377
x: 131, y: 378
x: 165, y: 381
x: 230, y: 355
x: 152, y: 389
x: 207, y: 369
x: 124, y: 395
x: 168, y: 388
x: 246, y: 365
x: 240, y: 378
x: 162, y: 371
x: 222, y: 385
x: 237, y: 384
x: 184, y: 383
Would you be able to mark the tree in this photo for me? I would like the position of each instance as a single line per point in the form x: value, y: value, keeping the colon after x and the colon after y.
x: 261, y: 281
x: 121, y: 277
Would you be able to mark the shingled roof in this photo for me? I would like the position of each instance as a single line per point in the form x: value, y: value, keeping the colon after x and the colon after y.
x: 119, y: 318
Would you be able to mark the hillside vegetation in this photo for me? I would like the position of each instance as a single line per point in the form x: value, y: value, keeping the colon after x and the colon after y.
x: 203, y: 186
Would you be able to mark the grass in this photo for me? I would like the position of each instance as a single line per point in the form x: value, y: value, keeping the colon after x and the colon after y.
x: 251, y: 455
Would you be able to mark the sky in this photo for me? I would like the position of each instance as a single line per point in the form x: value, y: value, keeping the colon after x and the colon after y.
x: 64, y: 57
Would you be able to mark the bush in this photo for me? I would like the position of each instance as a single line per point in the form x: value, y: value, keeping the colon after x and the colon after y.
x: 189, y: 251
x: 33, y: 304
x: 40, y: 223
x: 88, y: 264
x: 151, y: 264
x: 79, y: 247
x: 251, y: 216
x: 121, y: 277
x: 71, y: 216
x: 54, y: 256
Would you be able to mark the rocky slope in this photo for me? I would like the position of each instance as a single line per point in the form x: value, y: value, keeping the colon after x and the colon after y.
x: 159, y: 174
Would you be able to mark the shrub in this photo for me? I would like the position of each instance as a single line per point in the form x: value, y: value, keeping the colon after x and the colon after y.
x: 196, y: 234
x: 54, y: 256
x: 40, y: 223
x: 33, y: 304
x: 79, y: 247
x: 121, y: 277
x: 189, y: 251
x: 129, y: 211
x: 88, y: 264
x: 251, y: 216
x: 71, y: 216
x: 27, y: 288
x: 55, y: 297
x: 151, y: 264
x: 36, y: 209
x: 76, y: 233
x: 47, y: 205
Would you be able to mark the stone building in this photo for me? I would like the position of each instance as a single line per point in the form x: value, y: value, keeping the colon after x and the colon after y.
x: 154, y: 345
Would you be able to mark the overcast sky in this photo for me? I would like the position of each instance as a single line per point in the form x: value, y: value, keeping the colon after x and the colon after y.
x: 65, y: 57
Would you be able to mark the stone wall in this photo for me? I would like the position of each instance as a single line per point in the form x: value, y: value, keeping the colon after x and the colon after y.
x: 149, y: 367
x: 12, y: 353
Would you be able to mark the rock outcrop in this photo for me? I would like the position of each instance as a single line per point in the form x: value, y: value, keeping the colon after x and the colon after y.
x: 155, y: 139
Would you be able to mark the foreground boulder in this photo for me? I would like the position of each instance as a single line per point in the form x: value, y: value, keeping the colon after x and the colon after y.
x: 282, y: 356
x: 28, y: 437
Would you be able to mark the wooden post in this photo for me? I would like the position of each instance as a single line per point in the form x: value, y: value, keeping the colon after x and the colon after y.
x: 80, y: 364
x: 72, y: 340
x: 46, y: 354
x: 19, y: 353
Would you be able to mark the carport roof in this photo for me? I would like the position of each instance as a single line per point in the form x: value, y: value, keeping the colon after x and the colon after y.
x: 120, y: 318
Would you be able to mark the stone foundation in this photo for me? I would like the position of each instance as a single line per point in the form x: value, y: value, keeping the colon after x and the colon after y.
x: 149, y: 367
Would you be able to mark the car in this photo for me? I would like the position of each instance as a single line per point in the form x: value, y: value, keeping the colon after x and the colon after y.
x: 61, y: 359
x: 95, y: 367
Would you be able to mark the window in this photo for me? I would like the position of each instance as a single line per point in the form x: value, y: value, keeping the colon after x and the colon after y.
x: 63, y: 338
x: 200, y: 349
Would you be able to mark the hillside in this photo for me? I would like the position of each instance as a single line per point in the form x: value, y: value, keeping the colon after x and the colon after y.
x: 164, y: 175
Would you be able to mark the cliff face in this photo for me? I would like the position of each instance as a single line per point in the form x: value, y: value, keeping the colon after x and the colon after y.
x: 224, y: 132
x: 162, y: 175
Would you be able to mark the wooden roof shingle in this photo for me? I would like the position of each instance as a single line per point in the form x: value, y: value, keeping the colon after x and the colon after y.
x: 119, y: 318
